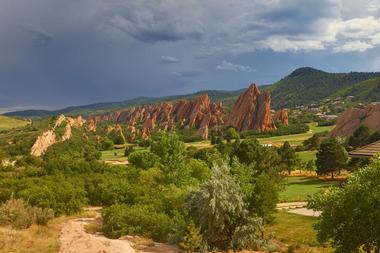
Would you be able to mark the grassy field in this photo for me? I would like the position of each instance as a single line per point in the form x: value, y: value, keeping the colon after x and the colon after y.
x: 295, y: 231
x: 293, y: 139
x: 306, y: 156
x: 109, y: 155
x: 8, y: 122
x: 298, y: 188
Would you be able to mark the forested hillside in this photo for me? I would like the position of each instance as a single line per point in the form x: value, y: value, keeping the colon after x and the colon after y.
x: 306, y: 85
x: 368, y: 91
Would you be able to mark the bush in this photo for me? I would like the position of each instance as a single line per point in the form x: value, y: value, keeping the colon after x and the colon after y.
x: 128, y: 150
x: 193, y: 239
x: 19, y: 214
x: 143, y: 159
x: 43, y: 215
x: 62, y: 194
x: 121, y: 219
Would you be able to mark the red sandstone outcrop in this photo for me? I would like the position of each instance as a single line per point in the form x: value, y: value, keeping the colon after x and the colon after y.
x: 252, y: 111
x: 351, y: 119
x: 282, y: 116
x: 49, y: 137
x: 199, y: 113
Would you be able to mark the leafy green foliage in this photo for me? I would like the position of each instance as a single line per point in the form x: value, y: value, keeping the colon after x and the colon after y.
x: 63, y: 195
x: 264, y: 159
x: 350, y: 214
x: 289, y: 158
x: 331, y: 158
x: 121, y: 219
x: 359, y: 138
x: 293, y: 128
x: 260, y: 192
x: 106, y: 144
x: 232, y: 134
x: 193, y: 239
x: 144, y: 159
x: 219, y: 210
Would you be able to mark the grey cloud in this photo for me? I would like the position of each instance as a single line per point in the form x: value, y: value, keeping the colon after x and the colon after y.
x: 40, y: 37
x: 169, y: 59
x: 186, y: 73
x: 229, y: 66
x: 95, y: 50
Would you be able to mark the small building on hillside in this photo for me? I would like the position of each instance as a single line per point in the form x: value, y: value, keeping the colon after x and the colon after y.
x: 367, y: 151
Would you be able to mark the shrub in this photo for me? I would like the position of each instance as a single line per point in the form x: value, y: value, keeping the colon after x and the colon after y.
x: 193, y: 239
x: 62, y: 194
x: 121, y: 219
x: 43, y: 215
x: 19, y: 214
x: 143, y: 159
x: 128, y: 150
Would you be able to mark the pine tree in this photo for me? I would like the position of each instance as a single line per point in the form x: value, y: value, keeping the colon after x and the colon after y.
x: 331, y: 157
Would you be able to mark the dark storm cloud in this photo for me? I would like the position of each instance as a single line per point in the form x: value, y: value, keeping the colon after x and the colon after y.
x: 56, y: 53
x: 153, y: 30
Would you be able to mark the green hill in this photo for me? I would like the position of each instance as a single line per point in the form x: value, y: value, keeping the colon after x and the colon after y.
x: 368, y: 91
x: 227, y: 97
x: 306, y: 85
x: 9, y: 123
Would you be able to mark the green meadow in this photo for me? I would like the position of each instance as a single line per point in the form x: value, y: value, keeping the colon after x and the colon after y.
x: 9, y: 123
x: 299, y: 188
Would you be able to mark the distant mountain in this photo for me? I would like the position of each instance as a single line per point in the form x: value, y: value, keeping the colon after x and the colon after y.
x: 305, y: 85
x: 368, y: 90
x: 227, y: 97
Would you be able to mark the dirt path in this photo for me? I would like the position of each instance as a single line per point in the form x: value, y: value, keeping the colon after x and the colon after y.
x: 75, y: 239
x: 298, y: 208
x: 305, y: 212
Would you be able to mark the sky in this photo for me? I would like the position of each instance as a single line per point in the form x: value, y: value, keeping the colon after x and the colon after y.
x: 56, y: 53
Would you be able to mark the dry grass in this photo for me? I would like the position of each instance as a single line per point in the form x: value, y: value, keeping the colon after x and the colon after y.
x: 36, y: 239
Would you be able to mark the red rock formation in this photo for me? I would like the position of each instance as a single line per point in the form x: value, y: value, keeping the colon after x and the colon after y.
x: 252, y: 111
x: 199, y: 113
x: 282, y: 116
x: 351, y: 119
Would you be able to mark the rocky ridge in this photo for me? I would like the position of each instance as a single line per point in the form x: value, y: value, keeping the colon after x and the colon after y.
x: 49, y: 137
x: 199, y: 113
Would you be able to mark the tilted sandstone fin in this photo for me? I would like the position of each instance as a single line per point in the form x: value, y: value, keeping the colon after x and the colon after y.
x: 252, y: 111
x: 49, y: 137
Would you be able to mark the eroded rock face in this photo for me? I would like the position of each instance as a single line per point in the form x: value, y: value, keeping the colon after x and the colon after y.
x: 49, y: 137
x: 199, y: 113
x: 351, y: 119
x: 282, y: 116
x: 252, y: 111
x: 43, y: 142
